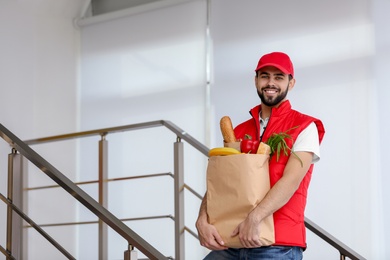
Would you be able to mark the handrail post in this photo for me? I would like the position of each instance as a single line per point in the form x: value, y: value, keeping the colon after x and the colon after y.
x: 130, y: 254
x: 15, y: 195
x: 103, y: 189
x: 179, y: 199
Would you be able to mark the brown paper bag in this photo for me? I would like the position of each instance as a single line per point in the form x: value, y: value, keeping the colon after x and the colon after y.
x: 235, y: 145
x: 235, y: 186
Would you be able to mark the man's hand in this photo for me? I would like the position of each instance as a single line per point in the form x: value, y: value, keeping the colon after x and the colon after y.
x: 248, y: 232
x: 209, y: 236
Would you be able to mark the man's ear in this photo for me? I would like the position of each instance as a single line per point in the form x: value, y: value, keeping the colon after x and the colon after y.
x: 256, y: 80
x: 291, y: 84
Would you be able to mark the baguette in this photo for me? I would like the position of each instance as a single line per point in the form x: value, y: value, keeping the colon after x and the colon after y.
x: 227, y: 130
x: 263, y: 148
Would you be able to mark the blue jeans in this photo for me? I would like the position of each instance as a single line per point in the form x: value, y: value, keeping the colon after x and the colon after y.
x: 259, y: 253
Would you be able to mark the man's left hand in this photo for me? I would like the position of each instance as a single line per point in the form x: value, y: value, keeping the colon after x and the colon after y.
x: 248, y: 232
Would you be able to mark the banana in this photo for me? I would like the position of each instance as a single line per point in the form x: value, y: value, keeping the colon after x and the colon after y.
x: 223, y: 151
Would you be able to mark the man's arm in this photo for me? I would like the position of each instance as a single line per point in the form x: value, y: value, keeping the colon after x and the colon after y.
x: 208, y: 234
x: 276, y: 198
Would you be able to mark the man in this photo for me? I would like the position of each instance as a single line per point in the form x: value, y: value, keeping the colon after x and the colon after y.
x: 289, y: 175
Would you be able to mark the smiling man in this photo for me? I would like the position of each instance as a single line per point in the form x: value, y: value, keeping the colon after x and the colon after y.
x: 289, y: 175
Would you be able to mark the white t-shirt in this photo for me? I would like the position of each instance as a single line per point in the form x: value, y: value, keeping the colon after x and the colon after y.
x: 307, y: 140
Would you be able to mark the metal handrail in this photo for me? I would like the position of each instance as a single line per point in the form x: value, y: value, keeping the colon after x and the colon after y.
x: 6, y: 253
x: 133, y: 238
x: 107, y: 180
x: 103, y: 131
x: 344, y: 250
x: 36, y: 227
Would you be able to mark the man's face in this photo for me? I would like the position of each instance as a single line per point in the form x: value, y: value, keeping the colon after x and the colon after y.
x: 272, y: 86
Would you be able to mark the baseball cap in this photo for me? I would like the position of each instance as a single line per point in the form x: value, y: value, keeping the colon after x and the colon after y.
x: 279, y: 60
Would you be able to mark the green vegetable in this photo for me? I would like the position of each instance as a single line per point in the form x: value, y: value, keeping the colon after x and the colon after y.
x: 247, y: 137
x: 278, y: 144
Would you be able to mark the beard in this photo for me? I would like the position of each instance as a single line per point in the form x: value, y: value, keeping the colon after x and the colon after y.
x: 272, y: 101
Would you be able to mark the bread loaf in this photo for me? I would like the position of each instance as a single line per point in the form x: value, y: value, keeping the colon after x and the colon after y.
x: 227, y: 130
x: 263, y: 148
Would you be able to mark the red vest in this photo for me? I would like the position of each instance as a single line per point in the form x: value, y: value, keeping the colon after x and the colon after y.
x: 289, y: 220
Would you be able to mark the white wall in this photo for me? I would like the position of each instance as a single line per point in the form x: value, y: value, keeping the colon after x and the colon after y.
x: 39, y: 50
x: 340, y: 51
x: 380, y: 206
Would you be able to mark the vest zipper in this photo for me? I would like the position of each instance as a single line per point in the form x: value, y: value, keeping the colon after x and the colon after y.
x: 265, y: 128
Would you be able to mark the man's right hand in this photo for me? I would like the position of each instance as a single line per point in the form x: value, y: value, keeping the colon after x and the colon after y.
x: 209, y: 236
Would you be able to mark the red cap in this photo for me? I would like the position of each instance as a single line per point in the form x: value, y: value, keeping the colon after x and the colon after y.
x: 279, y: 60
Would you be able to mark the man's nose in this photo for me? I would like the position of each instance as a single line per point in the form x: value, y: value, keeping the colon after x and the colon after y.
x: 271, y: 82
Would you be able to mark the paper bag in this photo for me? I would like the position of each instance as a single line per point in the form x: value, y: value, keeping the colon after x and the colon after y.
x: 235, y: 145
x: 235, y: 186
